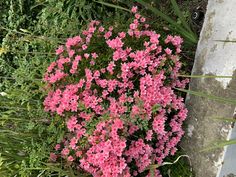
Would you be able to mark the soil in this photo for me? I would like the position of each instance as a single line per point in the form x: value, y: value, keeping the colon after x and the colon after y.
x: 197, y: 6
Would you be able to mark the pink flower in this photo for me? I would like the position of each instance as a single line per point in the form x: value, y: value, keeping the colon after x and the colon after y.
x: 118, y: 124
x: 101, y: 29
x: 142, y: 19
x: 92, y: 62
x: 133, y: 26
x: 168, y: 39
x: 96, y: 74
x: 137, y: 16
x: 78, y: 153
x: 115, y: 43
x: 85, y: 32
x: 176, y: 40
x: 104, y: 93
x: 53, y: 157
x: 71, y: 123
x: 71, y: 42
x: 134, y: 9
x: 149, y: 135
x: 178, y: 50
x: 51, y: 67
x: 57, y: 147
x: 132, y: 129
x: 130, y: 32
x: 159, y: 125
x: 168, y: 51
x: 71, y: 53
x: 154, y: 38
x: 135, y: 173
x: 65, y: 152
x: 78, y: 58
x: 91, y: 30
x: 103, y: 70
x: 135, y: 110
x: 110, y: 67
x: 70, y: 159
x: 110, y: 28
x: 84, y: 47
x: 73, y: 143
x: 122, y: 35
x: 108, y: 35
x: 75, y: 64
x: 81, y: 83
x: 86, y: 55
x: 59, y: 50
x: 94, y: 55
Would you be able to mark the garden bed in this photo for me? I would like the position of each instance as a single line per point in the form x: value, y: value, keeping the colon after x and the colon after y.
x: 58, y: 81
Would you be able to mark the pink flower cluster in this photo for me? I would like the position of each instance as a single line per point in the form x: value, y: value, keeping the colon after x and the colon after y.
x: 103, y: 105
x: 105, y: 156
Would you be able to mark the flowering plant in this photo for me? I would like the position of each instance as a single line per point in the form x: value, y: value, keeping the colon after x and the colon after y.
x: 115, y: 92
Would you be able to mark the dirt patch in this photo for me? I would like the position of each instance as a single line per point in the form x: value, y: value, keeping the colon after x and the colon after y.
x: 198, y: 6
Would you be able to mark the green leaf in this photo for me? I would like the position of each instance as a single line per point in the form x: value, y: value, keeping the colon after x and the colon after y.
x: 189, y: 35
x: 231, y: 41
x: 112, y: 5
x: 205, y: 95
x: 155, y: 108
x: 205, y: 76
x: 167, y: 163
x: 224, y: 119
x: 220, y: 144
x: 180, y: 15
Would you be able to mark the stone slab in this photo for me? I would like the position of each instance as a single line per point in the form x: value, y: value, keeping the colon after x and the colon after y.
x: 214, y: 56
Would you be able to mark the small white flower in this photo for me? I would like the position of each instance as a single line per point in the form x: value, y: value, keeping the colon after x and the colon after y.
x: 3, y: 93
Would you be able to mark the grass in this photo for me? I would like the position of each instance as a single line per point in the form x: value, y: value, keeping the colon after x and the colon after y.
x: 182, y: 28
x: 30, y: 31
x: 180, y: 166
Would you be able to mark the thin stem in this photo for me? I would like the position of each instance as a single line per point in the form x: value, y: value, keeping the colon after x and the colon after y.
x: 12, y: 107
x: 205, y: 76
x: 43, y: 53
x: 40, y: 37
x: 11, y: 78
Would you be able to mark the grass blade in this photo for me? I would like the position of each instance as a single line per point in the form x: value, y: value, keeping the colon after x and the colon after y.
x: 219, y: 145
x: 205, y: 95
x: 167, y: 163
x: 224, y: 119
x: 182, y: 32
x: 179, y: 29
x: 205, y: 76
x: 158, y: 12
x: 112, y: 5
x: 180, y: 15
x: 226, y: 41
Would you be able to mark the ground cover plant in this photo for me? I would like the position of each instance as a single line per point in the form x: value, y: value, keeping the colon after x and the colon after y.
x: 30, y: 32
x: 121, y: 112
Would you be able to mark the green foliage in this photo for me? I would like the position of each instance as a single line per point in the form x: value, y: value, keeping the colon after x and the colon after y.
x: 183, y: 28
x: 155, y: 108
x: 209, y: 96
x: 219, y: 144
x: 142, y: 123
x: 178, y: 165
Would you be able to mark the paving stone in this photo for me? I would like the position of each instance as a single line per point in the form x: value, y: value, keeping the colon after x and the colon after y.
x: 214, y: 56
